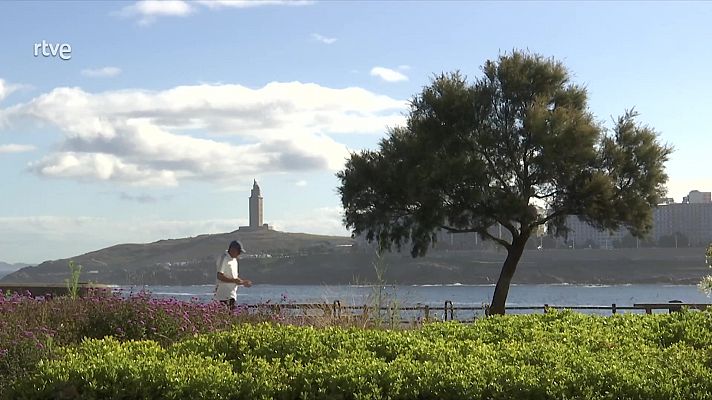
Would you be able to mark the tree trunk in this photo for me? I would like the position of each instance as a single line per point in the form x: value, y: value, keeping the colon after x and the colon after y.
x: 505, y: 277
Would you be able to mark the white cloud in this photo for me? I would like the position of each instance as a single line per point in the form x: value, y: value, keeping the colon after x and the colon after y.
x: 323, y: 39
x: 301, y: 183
x: 252, y: 3
x: 404, y: 67
x: 41, y: 223
x: 15, y: 148
x: 104, y: 72
x: 101, y: 167
x: 144, y: 137
x: 35, y: 239
x: 162, y: 7
x: 139, y: 198
x: 6, y: 89
x: 39, y: 238
x: 148, y: 10
x: 388, y: 75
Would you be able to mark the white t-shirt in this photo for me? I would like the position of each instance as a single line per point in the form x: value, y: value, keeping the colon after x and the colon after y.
x: 228, y: 266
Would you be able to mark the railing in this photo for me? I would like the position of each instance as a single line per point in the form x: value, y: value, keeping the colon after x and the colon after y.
x: 425, y: 312
x: 671, y: 306
x: 447, y: 312
x: 49, y: 290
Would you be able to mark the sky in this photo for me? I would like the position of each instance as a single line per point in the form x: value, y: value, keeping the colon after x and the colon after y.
x: 158, y: 120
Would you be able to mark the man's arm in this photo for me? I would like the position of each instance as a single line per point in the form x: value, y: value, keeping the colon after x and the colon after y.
x: 243, y: 282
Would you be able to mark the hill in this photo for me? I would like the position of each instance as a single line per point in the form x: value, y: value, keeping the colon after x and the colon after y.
x: 297, y: 258
x: 175, y: 258
x: 7, y: 268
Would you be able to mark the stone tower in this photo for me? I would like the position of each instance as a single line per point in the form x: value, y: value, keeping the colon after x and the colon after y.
x: 256, y: 207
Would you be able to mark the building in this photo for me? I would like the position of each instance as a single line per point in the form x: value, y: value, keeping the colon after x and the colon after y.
x: 581, y: 235
x: 685, y: 224
x: 674, y: 225
x: 697, y: 197
x: 256, y: 206
x: 256, y: 210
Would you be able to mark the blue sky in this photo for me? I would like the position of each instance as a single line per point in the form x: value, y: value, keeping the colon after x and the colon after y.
x: 166, y: 111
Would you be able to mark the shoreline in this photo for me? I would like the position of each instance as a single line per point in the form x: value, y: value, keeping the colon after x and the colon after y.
x: 555, y: 266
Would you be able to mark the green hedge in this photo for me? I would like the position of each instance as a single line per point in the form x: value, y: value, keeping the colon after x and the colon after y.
x: 560, y: 355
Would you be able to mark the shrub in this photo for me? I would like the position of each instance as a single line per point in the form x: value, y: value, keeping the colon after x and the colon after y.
x: 31, y: 328
x: 109, y: 369
x: 559, y: 355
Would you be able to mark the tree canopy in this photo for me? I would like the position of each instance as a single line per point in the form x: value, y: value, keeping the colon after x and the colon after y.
x: 518, y: 147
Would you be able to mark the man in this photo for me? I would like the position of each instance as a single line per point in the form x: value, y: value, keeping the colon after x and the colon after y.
x: 227, y: 277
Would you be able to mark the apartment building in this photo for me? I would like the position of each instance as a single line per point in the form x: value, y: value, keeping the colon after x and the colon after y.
x: 687, y: 224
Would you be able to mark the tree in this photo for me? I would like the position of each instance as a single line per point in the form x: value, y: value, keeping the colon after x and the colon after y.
x: 517, y: 147
x: 627, y: 242
x: 675, y: 240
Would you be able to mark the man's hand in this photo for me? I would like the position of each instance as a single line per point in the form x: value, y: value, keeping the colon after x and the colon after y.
x: 243, y: 282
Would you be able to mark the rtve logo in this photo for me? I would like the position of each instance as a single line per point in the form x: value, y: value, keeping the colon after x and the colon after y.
x: 61, y: 50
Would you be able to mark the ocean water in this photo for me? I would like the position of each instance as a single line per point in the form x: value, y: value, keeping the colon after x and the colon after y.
x: 436, y: 295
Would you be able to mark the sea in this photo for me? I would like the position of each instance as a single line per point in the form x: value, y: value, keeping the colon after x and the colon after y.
x: 520, y: 295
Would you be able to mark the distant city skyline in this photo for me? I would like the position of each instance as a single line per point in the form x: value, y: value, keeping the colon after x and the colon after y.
x: 690, y: 221
x: 131, y: 122
x: 678, y: 224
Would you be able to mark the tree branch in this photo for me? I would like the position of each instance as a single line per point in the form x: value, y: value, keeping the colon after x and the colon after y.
x: 491, y: 164
x: 482, y: 232
x: 548, y: 218
x: 525, y: 166
x: 502, y: 242
x: 458, y: 230
x: 508, y: 225
x: 544, y: 196
x: 493, y: 168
